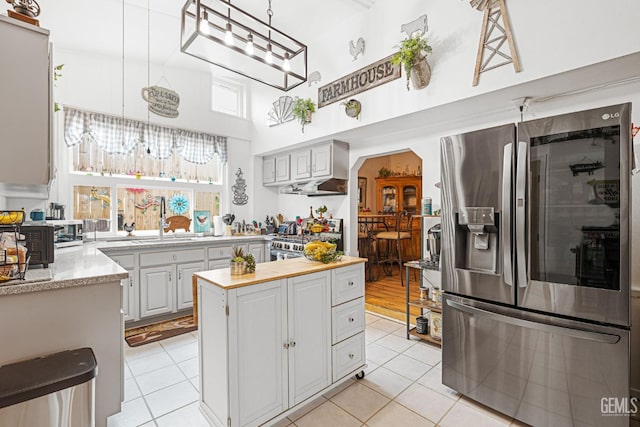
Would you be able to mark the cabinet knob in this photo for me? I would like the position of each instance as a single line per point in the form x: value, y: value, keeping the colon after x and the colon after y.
x: 286, y: 346
x: 131, y: 282
x: 351, y: 283
x: 351, y: 319
x: 175, y: 257
x: 292, y: 344
x: 351, y: 355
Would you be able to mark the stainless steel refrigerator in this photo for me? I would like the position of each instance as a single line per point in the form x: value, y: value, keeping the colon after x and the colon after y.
x: 535, y: 266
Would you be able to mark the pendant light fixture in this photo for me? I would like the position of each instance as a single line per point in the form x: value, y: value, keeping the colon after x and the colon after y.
x: 224, y: 35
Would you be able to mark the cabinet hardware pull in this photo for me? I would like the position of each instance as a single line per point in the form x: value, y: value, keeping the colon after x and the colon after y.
x: 351, y: 319
x: 351, y: 283
x: 293, y: 344
x: 351, y: 355
x: 131, y: 282
x: 169, y: 276
x: 180, y: 275
x: 286, y: 346
x: 175, y: 257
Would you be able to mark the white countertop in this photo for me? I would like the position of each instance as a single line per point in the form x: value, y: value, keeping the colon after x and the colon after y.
x: 137, y: 242
x: 87, y: 264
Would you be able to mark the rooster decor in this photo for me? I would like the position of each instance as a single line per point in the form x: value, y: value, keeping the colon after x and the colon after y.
x: 356, y: 49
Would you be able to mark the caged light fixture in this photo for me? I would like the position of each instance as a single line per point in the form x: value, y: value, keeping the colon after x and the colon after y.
x: 222, y: 34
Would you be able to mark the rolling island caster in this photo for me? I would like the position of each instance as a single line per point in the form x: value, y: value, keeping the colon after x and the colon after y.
x: 360, y: 375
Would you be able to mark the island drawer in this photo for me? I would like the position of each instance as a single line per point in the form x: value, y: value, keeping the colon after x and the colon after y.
x: 169, y: 257
x: 347, y: 320
x: 126, y: 261
x: 347, y: 284
x: 348, y: 356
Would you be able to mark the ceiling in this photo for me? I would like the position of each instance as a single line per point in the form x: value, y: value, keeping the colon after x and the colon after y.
x: 98, y: 29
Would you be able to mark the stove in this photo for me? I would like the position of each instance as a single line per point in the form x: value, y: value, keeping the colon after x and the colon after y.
x: 284, y: 246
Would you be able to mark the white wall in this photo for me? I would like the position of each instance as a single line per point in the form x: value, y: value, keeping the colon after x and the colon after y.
x: 550, y: 38
x: 548, y: 43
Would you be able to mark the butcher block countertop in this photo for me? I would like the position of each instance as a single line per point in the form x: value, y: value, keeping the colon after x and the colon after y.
x: 268, y: 271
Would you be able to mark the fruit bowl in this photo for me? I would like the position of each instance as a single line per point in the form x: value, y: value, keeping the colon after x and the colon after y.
x: 324, y: 252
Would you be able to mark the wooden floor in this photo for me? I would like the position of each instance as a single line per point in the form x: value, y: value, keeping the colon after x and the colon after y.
x: 387, y: 296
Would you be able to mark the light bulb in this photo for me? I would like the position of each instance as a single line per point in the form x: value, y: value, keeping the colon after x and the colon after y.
x: 204, y: 23
x: 286, y: 65
x: 228, y: 35
x: 269, y: 55
x: 249, y: 46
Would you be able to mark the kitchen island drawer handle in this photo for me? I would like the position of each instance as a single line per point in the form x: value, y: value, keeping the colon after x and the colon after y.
x: 560, y: 330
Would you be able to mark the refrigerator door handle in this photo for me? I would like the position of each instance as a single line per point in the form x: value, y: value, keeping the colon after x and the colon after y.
x: 560, y: 330
x: 521, y: 213
x: 507, y: 172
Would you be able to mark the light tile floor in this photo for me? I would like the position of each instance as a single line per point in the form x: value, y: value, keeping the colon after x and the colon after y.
x: 402, y: 386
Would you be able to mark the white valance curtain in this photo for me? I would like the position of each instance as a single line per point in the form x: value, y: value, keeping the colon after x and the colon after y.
x: 118, y: 135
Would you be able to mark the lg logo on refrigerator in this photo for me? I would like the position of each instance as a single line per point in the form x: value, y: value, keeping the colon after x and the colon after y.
x: 607, y: 116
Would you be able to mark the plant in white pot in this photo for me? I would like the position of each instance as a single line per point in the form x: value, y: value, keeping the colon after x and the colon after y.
x: 302, y: 110
x: 413, y: 57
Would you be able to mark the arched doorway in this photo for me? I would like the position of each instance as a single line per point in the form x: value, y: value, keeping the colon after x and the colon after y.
x: 386, y: 184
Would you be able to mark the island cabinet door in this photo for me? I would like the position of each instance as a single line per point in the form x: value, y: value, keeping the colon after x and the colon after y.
x: 157, y: 290
x: 257, y: 352
x: 309, y: 317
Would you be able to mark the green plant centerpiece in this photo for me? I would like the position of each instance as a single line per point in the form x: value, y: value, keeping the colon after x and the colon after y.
x: 241, y: 263
x: 302, y: 110
x: 413, y: 57
x: 384, y: 172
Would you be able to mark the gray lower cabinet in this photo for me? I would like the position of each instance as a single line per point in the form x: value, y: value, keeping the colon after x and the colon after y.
x: 129, y: 286
x: 156, y: 290
x: 165, y: 280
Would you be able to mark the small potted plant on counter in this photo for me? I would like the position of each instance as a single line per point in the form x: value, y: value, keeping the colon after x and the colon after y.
x: 302, y: 110
x: 241, y: 263
x: 413, y: 57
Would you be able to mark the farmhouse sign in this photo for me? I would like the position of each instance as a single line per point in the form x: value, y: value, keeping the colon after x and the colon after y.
x: 162, y: 101
x: 365, y: 78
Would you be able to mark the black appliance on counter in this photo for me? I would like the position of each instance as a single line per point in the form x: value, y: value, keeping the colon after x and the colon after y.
x: 38, y: 240
x: 287, y: 243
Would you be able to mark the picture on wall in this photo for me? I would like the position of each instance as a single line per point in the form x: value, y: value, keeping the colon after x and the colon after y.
x: 202, y: 222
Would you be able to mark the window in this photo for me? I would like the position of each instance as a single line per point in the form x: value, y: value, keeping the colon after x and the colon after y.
x: 121, y: 168
x: 118, y: 146
x: 140, y: 205
x: 227, y: 98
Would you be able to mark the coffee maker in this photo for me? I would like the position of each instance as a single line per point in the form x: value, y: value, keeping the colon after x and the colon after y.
x: 433, y: 242
x: 55, y: 211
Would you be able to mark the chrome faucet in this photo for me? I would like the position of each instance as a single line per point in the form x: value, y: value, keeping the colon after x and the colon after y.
x: 163, y: 216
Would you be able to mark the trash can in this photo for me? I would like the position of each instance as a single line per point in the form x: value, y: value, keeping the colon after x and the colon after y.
x: 57, y: 390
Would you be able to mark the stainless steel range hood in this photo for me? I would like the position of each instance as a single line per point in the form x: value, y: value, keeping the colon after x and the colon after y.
x: 328, y: 187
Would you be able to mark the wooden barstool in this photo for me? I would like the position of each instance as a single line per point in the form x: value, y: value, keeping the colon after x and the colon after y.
x: 393, y: 242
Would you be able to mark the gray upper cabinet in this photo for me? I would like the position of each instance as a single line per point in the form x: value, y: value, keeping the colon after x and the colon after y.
x: 276, y: 170
x: 326, y: 160
x: 319, y: 161
x: 26, y: 114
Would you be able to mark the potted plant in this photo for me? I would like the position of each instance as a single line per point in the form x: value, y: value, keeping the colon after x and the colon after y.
x: 352, y: 108
x: 302, y: 109
x: 241, y: 263
x: 413, y: 57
